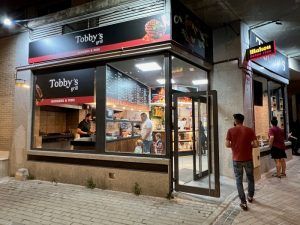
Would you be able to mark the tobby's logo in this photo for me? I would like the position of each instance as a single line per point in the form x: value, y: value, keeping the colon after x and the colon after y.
x: 93, y: 38
x: 64, y: 83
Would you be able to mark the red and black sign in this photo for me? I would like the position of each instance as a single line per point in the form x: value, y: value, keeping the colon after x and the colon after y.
x: 262, y: 50
x: 123, y: 35
x: 277, y: 63
x: 70, y: 87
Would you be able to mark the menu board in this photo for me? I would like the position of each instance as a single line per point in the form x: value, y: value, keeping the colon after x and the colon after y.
x: 125, y: 89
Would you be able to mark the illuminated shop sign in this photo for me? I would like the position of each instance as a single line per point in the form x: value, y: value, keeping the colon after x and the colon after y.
x: 69, y: 87
x: 277, y: 63
x: 128, y: 34
x: 262, y: 50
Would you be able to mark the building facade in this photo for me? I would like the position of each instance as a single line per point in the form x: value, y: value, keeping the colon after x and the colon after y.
x: 115, y: 61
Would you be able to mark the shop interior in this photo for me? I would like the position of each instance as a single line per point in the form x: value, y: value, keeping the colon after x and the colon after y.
x: 133, y: 87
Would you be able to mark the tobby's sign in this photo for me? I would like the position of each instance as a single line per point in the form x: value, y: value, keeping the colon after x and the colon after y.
x: 262, y: 50
x: 70, y: 87
x: 128, y: 34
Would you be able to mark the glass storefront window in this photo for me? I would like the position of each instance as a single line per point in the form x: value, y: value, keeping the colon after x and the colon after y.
x: 135, y: 106
x: 277, y: 102
x: 261, y: 108
x: 65, y: 110
x: 268, y: 101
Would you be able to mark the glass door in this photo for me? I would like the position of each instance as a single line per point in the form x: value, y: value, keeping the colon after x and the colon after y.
x: 196, y: 156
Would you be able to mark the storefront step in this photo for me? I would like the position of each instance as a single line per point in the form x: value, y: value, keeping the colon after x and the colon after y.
x: 3, y: 163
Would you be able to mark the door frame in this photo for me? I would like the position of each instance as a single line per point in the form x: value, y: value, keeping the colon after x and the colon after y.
x: 210, y: 136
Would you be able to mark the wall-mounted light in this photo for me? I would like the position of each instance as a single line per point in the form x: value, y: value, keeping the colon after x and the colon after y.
x: 23, y: 23
x: 21, y: 83
x: 277, y: 22
x: 7, y: 22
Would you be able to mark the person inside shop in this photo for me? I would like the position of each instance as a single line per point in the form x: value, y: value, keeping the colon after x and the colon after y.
x: 203, y: 138
x: 84, y: 127
x: 146, y: 133
x: 138, y: 147
x: 276, y: 142
x: 158, y: 145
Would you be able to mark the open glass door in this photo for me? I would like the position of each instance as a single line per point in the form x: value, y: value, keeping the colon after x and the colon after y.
x: 196, y: 153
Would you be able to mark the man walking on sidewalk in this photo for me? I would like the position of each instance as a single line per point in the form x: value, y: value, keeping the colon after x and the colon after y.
x: 241, y: 140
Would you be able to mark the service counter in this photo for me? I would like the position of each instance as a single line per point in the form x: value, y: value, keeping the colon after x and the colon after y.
x: 266, y: 162
x: 126, y: 144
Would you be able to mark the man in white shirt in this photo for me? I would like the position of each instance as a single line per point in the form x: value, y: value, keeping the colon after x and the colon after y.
x: 146, y: 132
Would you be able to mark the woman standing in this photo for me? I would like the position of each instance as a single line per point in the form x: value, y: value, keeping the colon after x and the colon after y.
x: 277, y: 146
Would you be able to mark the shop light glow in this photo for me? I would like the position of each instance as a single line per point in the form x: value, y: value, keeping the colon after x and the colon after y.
x: 198, y: 82
x: 163, y: 81
x: 150, y: 66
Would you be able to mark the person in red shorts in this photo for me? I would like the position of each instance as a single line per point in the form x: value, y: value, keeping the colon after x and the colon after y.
x: 241, y: 140
x: 276, y: 142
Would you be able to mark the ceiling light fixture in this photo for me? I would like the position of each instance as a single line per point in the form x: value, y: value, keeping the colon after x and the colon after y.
x: 150, y: 66
x: 198, y: 82
x: 163, y: 81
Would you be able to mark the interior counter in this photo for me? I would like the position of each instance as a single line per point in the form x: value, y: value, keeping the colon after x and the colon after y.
x: 126, y: 144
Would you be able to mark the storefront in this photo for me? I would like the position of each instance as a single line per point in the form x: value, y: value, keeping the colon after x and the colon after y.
x: 270, y: 80
x: 138, y: 102
x: 149, y: 73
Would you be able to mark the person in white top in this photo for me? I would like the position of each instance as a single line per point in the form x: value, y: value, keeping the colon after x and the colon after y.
x: 146, y: 133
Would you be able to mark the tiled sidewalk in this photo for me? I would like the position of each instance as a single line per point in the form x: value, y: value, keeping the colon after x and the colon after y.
x: 277, y: 201
x: 36, y: 202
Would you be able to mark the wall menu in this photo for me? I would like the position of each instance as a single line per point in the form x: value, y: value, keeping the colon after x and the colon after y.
x: 125, y: 89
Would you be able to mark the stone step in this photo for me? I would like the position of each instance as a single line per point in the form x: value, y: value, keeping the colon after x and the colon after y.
x: 4, y: 163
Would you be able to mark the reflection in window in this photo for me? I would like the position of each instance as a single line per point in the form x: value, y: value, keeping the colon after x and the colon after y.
x: 135, y: 106
x: 62, y: 102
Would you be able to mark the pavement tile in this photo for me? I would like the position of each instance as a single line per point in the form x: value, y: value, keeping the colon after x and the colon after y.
x: 276, y: 202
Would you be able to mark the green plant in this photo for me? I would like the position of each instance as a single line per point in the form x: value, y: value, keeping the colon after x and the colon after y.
x: 90, y: 183
x: 30, y: 176
x: 137, y: 189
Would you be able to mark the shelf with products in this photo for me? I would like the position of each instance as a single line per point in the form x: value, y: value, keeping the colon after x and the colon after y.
x: 273, y: 103
x: 281, y: 104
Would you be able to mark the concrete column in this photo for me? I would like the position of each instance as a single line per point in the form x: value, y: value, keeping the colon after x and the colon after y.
x: 233, y: 84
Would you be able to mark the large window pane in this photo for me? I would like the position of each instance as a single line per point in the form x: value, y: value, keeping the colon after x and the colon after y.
x: 135, y: 106
x: 63, y: 103
x: 261, y: 108
x: 277, y: 102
